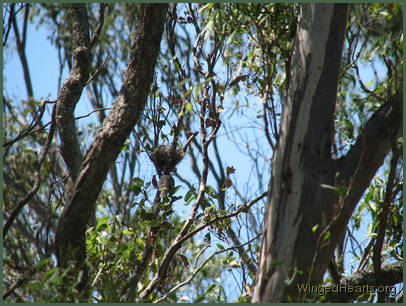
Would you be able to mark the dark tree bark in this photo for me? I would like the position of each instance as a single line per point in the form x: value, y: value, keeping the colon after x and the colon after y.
x: 72, y: 89
x: 292, y: 251
x: 117, y: 126
x: 392, y: 274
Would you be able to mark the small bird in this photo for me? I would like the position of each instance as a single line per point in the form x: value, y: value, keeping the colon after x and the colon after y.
x: 166, y: 183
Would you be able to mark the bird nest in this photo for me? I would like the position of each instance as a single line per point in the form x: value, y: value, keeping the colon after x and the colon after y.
x: 166, y: 158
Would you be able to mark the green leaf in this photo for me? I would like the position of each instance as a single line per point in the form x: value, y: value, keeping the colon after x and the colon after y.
x: 138, y: 181
x: 41, y: 264
x: 220, y: 246
x: 211, y: 288
x: 327, y: 236
x: 188, y: 107
x: 199, y: 298
x: 189, y: 194
x: 101, y: 224
x: 189, y: 197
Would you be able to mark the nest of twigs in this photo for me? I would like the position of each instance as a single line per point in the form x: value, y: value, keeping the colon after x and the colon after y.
x: 166, y: 158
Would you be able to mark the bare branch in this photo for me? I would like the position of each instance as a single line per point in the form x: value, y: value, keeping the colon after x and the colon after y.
x: 97, y: 71
x: 99, y: 27
x: 10, y: 9
x: 383, y: 219
x: 20, y: 45
x: 72, y: 89
x: 242, y: 208
x: 195, y: 271
x: 93, y: 111
x: 37, y: 182
x: 28, y: 130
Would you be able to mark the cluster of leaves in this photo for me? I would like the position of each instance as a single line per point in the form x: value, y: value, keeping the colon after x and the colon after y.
x: 368, y: 49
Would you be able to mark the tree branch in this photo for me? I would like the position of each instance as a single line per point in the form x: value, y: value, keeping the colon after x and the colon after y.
x: 20, y: 45
x: 99, y: 27
x: 195, y: 271
x: 72, y: 89
x: 37, y: 181
x: 392, y: 274
x: 117, y: 126
x: 358, y: 167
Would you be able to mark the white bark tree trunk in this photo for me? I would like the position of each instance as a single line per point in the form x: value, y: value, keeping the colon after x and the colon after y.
x: 292, y: 252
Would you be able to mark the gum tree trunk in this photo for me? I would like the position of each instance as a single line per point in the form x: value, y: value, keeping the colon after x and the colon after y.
x: 303, y: 219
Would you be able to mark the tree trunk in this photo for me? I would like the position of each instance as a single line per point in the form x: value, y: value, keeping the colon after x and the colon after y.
x: 117, y: 126
x: 304, y: 220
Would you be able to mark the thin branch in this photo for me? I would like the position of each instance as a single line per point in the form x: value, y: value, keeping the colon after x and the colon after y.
x: 383, y: 219
x: 364, y: 88
x: 17, y: 284
x: 28, y: 130
x: 25, y: 24
x: 193, y: 135
x: 10, y: 17
x: 362, y: 262
x: 242, y: 208
x: 97, y: 70
x: 99, y: 27
x: 195, y: 271
x: 93, y: 111
x: 37, y: 182
x: 20, y: 45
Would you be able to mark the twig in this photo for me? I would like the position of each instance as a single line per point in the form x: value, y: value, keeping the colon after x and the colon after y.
x: 242, y: 208
x: 383, y: 219
x: 17, y: 284
x: 194, y: 273
x: 28, y: 130
x: 365, y: 255
x: 10, y: 17
x: 97, y: 70
x: 20, y: 45
x: 176, y: 243
x: 99, y: 27
x: 189, y: 141
x: 200, y: 253
x: 379, y: 98
x: 93, y: 111
x: 36, y: 186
